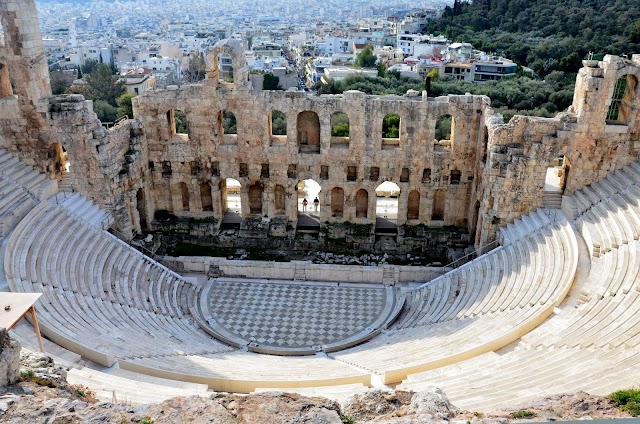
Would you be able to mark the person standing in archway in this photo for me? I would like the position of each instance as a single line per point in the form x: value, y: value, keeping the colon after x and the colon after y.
x: 316, y: 203
x: 304, y: 204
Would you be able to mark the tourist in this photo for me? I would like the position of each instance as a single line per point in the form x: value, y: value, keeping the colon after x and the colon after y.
x: 304, y: 205
x: 316, y: 203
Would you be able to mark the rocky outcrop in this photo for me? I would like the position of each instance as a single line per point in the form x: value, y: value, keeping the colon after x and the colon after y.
x: 285, y: 408
x: 433, y: 402
x: 9, y: 359
x: 375, y: 403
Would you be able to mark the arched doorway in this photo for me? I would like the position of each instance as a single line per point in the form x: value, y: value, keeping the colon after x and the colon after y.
x: 308, y: 125
x: 337, y: 202
x: 141, y: 206
x: 308, y: 204
x: 362, y: 203
x: 437, y: 213
x: 387, y: 206
x: 205, y: 197
x: 413, y: 205
x: 279, y: 200
x: 255, y: 199
x: 232, y: 196
x: 183, y: 190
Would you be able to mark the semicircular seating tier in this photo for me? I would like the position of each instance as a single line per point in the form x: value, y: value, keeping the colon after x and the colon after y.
x: 591, y: 342
x: 480, y: 307
x: 110, y: 303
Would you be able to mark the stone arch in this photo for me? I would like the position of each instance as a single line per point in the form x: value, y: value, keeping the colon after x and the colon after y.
x: 235, y: 51
x: 439, y: 198
x: 177, y: 122
x: 278, y: 123
x: 5, y: 81
x: 337, y: 201
x: 413, y: 205
x: 205, y: 197
x: 622, y: 99
x: 229, y: 122
x: 444, y: 128
x: 387, y: 195
x: 255, y: 199
x: 308, y: 125
x: 230, y: 195
x: 183, y: 189
x: 57, y: 162
x: 279, y: 200
x: 362, y: 203
x: 310, y: 190
x: 141, y: 206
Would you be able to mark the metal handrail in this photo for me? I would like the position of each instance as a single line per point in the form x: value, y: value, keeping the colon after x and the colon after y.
x: 452, y: 265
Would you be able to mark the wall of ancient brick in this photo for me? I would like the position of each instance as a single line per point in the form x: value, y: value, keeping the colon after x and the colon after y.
x: 487, y: 175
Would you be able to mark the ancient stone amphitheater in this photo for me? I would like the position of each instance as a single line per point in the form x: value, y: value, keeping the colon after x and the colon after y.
x: 550, y: 306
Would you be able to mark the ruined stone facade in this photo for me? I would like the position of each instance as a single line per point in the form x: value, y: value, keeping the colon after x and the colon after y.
x: 487, y: 175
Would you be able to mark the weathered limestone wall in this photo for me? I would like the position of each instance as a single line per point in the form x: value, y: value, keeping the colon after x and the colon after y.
x: 489, y: 174
x: 218, y: 156
x: 9, y: 359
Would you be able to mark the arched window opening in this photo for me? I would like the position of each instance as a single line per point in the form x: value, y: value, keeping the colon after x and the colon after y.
x: 622, y: 100
x: 229, y: 123
x: 387, y: 195
x: 184, y: 196
x: 225, y: 64
x: 308, y: 125
x: 391, y: 131
x: 339, y: 130
x: 278, y: 123
x: 181, y: 126
x: 444, y: 128
x: 362, y: 203
x: 279, y: 200
x: 455, y: 176
x: 413, y: 205
x: 141, y: 206
x: 255, y: 199
x: 437, y: 213
x: 337, y: 202
x: 205, y: 197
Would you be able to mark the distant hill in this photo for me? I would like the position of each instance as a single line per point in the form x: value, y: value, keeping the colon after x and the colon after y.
x: 544, y: 35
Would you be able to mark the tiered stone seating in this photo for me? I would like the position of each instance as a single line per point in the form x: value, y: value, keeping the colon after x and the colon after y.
x: 21, y: 188
x: 591, y: 341
x: 103, y: 299
x: 133, y: 389
x: 89, y: 211
x: 479, y: 307
x: 607, y: 211
x: 245, y: 372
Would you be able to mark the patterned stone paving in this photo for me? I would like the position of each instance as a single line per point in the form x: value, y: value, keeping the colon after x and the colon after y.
x: 291, y: 315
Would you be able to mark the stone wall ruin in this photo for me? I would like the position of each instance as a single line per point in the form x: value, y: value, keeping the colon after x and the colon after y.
x: 486, y: 175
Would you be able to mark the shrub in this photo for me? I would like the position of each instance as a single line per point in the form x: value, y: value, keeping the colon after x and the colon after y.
x: 523, y: 414
x: 628, y: 400
x: 347, y: 420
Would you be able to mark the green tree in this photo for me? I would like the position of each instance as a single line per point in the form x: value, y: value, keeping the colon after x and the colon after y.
x: 366, y: 58
x: 89, y: 66
x: 271, y: 82
x: 59, y: 82
x: 339, y: 125
x: 443, y: 128
x: 197, y: 69
x: 105, y: 112
x: 278, y: 123
x: 181, y: 122
x: 103, y: 85
x: 391, y: 126
x: 229, y: 122
x: 124, y: 105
